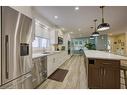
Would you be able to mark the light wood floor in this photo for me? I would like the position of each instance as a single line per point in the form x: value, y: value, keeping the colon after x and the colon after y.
x: 75, y: 78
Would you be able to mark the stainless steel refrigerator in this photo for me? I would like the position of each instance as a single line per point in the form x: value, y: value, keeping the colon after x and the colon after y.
x: 16, y: 57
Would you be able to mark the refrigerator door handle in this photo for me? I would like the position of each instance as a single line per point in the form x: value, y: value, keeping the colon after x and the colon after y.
x: 6, y: 56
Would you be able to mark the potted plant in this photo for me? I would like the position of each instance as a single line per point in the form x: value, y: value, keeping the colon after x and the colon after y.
x: 90, y: 46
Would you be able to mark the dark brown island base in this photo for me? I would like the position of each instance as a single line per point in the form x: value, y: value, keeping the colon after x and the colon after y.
x: 103, y: 69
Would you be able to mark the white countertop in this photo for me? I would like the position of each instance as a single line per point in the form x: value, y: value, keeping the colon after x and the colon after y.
x: 36, y: 55
x: 103, y: 55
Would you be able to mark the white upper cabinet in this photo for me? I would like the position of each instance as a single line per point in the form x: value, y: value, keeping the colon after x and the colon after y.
x: 54, y: 36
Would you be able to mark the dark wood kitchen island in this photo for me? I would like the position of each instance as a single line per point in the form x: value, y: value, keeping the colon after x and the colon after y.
x: 103, y: 69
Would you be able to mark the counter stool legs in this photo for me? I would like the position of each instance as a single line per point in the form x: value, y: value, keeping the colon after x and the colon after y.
x: 125, y: 77
x: 124, y: 69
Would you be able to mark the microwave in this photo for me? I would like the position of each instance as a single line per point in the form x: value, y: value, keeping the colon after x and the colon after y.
x: 60, y: 40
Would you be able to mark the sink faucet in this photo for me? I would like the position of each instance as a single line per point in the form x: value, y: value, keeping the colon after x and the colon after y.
x: 44, y: 49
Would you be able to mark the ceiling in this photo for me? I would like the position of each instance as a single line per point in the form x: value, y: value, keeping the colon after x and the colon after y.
x: 71, y: 20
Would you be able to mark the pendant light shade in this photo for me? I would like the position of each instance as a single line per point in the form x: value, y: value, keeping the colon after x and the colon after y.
x: 95, y: 33
x: 91, y: 37
x: 103, y: 26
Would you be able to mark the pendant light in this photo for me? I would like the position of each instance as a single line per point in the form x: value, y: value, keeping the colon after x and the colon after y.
x: 91, y: 37
x: 103, y: 26
x: 95, y: 33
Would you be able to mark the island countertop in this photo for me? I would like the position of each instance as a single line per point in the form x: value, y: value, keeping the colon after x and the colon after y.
x: 95, y: 54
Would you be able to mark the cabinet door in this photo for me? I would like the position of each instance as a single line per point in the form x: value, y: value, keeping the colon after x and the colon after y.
x: 49, y: 65
x: 54, y: 37
x: 111, y: 74
x: 56, y: 61
x: 94, y: 74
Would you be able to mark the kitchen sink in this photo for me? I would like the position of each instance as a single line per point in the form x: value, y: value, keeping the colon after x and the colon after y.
x: 46, y: 52
x: 52, y: 52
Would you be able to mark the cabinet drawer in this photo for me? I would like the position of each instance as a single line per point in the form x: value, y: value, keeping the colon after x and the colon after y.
x: 111, y: 63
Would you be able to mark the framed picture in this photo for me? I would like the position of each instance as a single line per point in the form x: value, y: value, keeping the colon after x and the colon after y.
x: 119, y: 41
x: 115, y: 42
x: 122, y: 43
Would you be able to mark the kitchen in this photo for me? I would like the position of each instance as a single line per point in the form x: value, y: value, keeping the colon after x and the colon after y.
x: 39, y: 51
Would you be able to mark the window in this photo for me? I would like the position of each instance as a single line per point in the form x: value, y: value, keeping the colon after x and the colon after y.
x: 40, y: 42
x: 35, y: 43
x: 44, y: 43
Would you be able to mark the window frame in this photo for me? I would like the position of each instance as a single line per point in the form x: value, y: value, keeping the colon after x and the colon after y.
x: 39, y: 42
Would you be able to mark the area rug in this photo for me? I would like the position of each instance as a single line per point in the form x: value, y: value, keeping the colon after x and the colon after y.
x: 58, y: 75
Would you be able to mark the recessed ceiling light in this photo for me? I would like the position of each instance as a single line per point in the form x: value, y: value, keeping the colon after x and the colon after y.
x: 79, y: 29
x: 76, y: 8
x: 56, y: 17
x: 71, y: 32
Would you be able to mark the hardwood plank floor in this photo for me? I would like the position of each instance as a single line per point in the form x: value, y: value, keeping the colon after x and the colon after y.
x: 75, y: 78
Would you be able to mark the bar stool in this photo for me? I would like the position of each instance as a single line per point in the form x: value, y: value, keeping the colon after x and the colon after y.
x: 124, y: 69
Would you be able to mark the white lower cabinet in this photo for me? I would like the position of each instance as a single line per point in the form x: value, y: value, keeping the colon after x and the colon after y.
x: 49, y: 65
x: 56, y: 60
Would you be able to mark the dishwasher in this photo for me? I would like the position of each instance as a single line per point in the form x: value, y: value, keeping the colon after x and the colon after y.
x: 39, y: 71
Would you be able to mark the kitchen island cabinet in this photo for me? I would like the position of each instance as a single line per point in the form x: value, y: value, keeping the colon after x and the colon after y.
x: 103, y: 69
x: 103, y: 73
